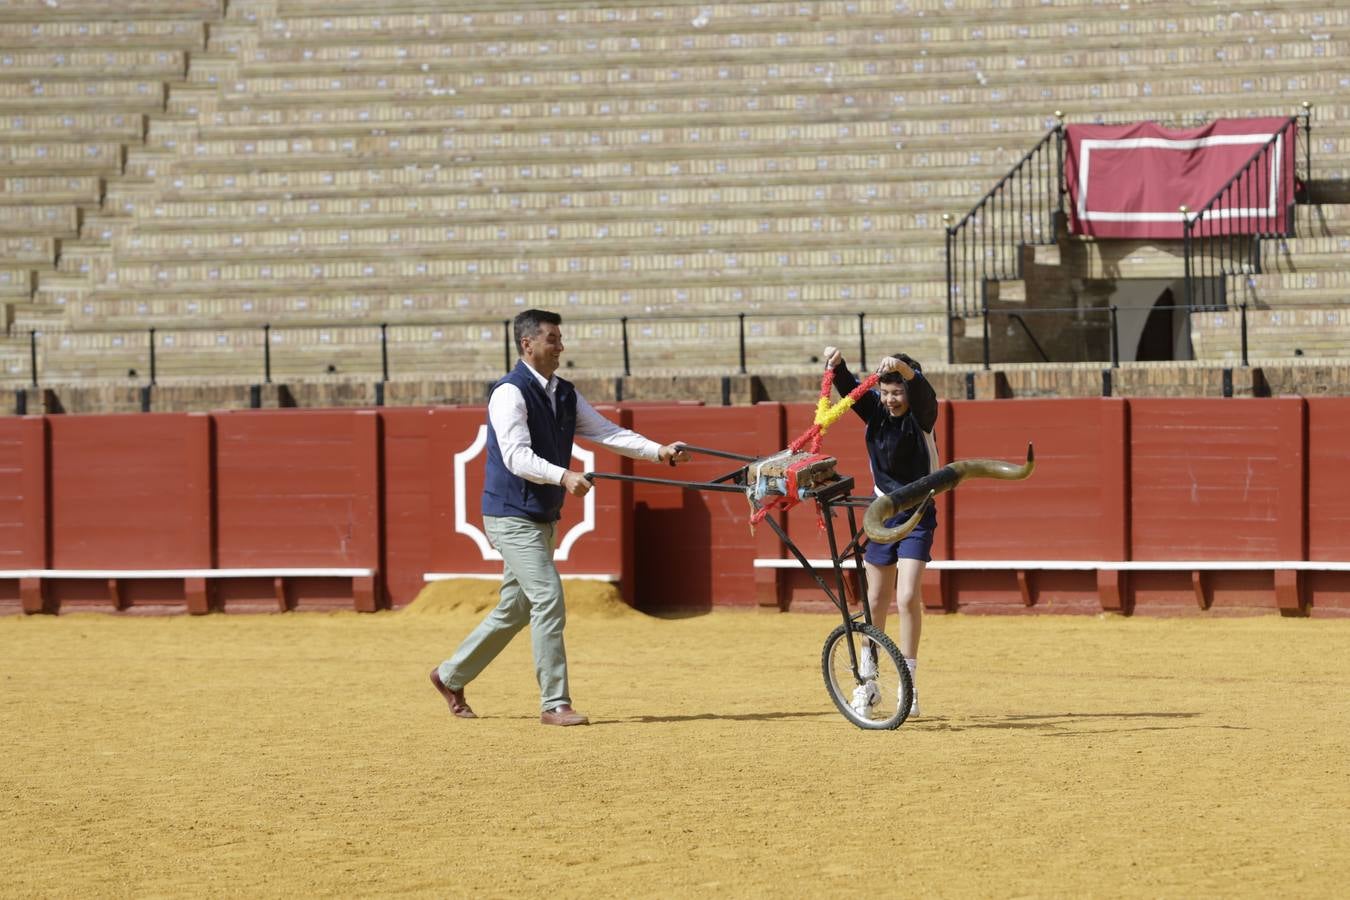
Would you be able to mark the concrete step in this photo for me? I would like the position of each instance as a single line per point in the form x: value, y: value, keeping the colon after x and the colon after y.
x: 16, y: 282
x: 1286, y: 333
x: 1086, y: 258
x: 1322, y: 220
x: 1327, y: 288
x: 1304, y: 254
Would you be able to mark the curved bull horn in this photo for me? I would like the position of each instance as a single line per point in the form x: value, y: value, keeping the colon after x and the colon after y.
x: 923, y: 490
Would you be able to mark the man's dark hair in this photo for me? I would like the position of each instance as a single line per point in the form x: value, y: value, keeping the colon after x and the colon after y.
x: 894, y: 377
x: 528, y: 324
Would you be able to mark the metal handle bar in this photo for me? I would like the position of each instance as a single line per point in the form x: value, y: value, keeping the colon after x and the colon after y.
x: 693, y: 485
x: 739, y: 457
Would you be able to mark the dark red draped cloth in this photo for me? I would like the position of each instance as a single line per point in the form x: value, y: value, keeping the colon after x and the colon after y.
x: 1129, y: 181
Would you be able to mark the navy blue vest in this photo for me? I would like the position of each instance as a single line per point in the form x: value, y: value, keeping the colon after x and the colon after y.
x: 505, y: 494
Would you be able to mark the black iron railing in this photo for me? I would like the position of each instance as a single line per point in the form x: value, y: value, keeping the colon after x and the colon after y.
x: 1224, y: 236
x: 268, y: 340
x: 1031, y: 337
x: 1023, y: 208
x: 1113, y: 325
x: 734, y: 357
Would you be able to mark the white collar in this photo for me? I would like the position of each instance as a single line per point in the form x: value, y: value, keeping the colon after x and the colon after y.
x: 546, y: 383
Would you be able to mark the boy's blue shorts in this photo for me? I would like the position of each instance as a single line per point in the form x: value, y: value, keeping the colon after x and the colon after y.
x: 918, y: 544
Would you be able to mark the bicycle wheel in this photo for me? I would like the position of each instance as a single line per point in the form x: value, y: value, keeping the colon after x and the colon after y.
x: 880, y: 702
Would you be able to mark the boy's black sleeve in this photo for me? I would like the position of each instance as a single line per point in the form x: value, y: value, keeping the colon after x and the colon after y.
x: 865, y: 406
x: 922, y: 401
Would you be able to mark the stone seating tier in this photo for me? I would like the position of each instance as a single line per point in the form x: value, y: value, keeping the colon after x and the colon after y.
x: 321, y: 161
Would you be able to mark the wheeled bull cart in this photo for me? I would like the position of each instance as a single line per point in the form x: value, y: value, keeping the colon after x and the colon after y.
x: 858, y: 658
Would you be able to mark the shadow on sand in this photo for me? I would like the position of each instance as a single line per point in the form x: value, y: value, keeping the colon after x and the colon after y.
x: 1060, y: 724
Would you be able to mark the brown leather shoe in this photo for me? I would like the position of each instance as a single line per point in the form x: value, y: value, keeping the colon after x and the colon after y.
x: 562, y: 715
x: 455, y: 699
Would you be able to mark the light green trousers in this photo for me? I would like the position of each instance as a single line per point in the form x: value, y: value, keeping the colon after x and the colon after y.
x: 531, y: 593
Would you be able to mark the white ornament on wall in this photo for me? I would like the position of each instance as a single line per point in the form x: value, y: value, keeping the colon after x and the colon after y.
x: 465, y: 527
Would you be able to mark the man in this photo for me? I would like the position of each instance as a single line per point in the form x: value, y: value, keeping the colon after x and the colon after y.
x: 532, y: 418
x: 900, y: 416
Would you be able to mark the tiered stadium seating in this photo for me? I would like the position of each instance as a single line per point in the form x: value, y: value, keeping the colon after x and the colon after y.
x: 78, y: 81
x: 324, y: 167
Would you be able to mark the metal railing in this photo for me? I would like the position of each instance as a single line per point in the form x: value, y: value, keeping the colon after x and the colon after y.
x: 1113, y: 311
x: 1023, y: 208
x: 1224, y: 236
x: 736, y: 356
x: 1026, y: 329
x: 269, y: 343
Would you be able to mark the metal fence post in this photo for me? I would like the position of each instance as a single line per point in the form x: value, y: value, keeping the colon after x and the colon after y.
x: 1243, y: 312
x: 1186, y: 252
x: 384, y: 351
x: 862, y: 342
x: 741, y: 331
x: 623, y: 332
x: 1307, y: 152
x: 1061, y: 185
x: 506, y: 343
x: 32, y: 357
x: 985, y: 318
x: 267, y: 353
x: 951, y: 300
x: 1115, y: 339
x: 152, y: 356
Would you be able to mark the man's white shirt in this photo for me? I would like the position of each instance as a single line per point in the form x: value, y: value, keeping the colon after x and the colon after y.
x: 508, y: 415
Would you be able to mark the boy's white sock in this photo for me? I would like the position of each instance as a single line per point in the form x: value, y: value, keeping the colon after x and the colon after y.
x: 867, y: 664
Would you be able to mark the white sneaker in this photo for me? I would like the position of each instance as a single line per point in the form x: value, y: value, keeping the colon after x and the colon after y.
x: 865, y: 696
x: 913, y: 703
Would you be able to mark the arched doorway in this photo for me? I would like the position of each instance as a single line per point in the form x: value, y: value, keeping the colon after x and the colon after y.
x: 1157, y: 341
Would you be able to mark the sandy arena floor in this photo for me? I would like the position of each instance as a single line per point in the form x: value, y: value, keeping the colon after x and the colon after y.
x: 306, y: 754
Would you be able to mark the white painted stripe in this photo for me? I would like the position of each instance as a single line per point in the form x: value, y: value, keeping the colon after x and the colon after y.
x: 486, y: 576
x: 1226, y: 213
x: 1156, y: 143
x: 1079, y: 565
x: 1086, y: 146
x: 185, y: 573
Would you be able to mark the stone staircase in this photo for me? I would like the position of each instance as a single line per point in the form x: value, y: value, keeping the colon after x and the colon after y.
x: 1295, y: 297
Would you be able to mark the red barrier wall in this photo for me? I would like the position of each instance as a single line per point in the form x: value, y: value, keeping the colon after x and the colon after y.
x: 1328, y: 435
x: 1213, y: 479
x: 1072, y: 508
x: 1077, y: 474
x: 694, y: 549
x: 1217, y: 479
x: 23, y: 489
x: 23, y: 508
x: 128, y: 492
x: 297, y: 490
x: 419, y: 514
x: 1119, y: 483
x: 1328, y: 498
